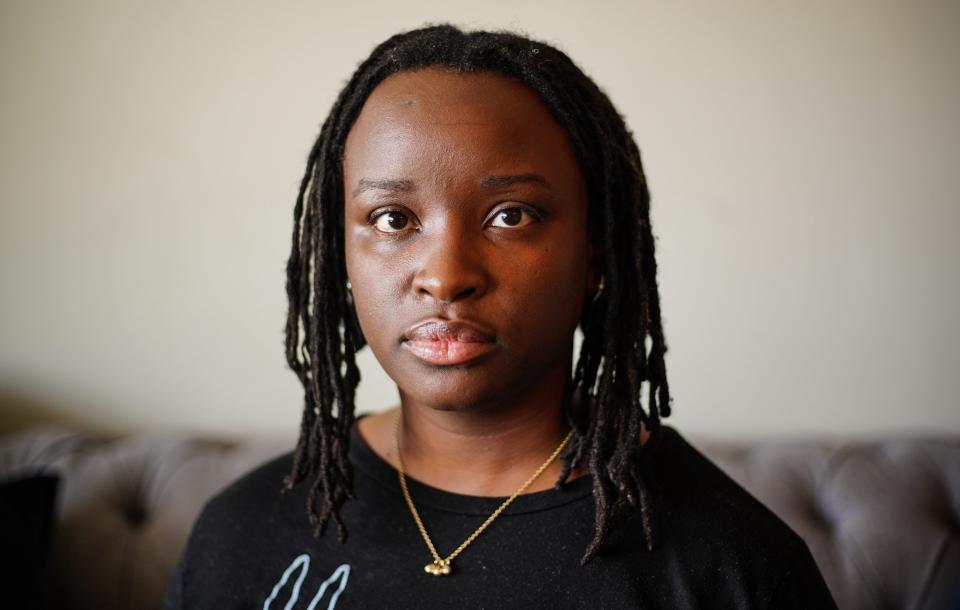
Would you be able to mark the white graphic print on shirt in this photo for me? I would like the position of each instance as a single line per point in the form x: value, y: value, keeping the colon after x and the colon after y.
x: 302, y: 563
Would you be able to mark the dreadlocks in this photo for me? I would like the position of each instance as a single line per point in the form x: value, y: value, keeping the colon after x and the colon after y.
x: 621, y: 361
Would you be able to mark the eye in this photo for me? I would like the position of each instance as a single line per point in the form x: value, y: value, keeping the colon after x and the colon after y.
x: 391, y: 221
x: 513, y: 218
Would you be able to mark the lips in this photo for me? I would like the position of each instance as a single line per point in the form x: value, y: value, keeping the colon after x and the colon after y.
x: 448, y: 330
x: 448, y: 342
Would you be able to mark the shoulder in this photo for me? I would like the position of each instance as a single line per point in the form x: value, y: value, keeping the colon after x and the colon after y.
x: 232, y: 526
x: 696, y: 494
x: 253, y: 493
x: 703, y: 515
x: 250, y: 511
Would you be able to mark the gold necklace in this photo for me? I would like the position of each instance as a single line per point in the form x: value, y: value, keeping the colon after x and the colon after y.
x: 441, y: 566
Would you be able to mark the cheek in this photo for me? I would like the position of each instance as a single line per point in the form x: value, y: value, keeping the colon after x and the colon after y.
x: 376, y: 309
x: 374, y: 294
x: 549, y: 290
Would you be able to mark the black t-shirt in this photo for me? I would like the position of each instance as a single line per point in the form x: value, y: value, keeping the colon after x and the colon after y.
x: 716, y: 546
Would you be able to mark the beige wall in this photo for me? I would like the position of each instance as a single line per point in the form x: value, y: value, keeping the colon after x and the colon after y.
x: 804, y: 159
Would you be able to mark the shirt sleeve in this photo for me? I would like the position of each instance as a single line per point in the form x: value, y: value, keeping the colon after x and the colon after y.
x: 802, y: 587
x: 174, y: 597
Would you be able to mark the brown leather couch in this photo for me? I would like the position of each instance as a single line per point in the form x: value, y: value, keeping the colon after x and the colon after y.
x: 882, y: 518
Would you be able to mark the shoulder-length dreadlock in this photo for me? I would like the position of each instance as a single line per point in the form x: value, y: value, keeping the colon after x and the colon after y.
x: 622, y: 353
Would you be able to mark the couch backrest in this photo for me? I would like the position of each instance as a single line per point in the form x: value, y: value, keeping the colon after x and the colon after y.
x: 881, y: 518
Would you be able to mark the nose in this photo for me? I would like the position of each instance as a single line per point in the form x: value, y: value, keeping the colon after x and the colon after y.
x: 452, y: 270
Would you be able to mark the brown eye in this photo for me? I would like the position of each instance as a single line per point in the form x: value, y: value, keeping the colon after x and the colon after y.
x: 391, y: 222
x: 512, y: 218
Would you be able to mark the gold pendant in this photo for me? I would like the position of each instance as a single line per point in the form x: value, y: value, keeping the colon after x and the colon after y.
x: 438, y: 568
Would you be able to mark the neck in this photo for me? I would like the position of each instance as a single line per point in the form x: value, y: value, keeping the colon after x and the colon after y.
x: 480, y: 451
x: 482, y: 454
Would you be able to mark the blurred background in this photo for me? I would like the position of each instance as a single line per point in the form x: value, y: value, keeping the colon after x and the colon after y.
x: 804, y: 161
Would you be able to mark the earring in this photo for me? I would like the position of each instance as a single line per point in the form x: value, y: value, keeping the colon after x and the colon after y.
x: 596, y: 295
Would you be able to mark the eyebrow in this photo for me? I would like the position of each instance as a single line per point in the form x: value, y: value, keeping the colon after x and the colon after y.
x: 407, y: 186
x: 383, y: 184
x: 493, y: 182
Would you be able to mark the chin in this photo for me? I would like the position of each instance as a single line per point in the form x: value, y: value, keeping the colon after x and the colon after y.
x: 455, y: 389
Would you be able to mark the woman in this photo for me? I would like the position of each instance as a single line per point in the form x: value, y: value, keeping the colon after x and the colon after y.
x: 471, y: 199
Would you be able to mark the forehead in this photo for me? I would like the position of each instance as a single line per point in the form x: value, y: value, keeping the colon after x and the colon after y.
x: 435, y: 93
x: 446, y: 125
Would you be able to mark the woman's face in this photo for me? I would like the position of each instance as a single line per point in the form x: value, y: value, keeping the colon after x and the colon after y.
x: 466, y: 237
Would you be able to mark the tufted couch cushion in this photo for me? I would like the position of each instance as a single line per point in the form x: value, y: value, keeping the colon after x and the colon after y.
x: 881, y: 518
